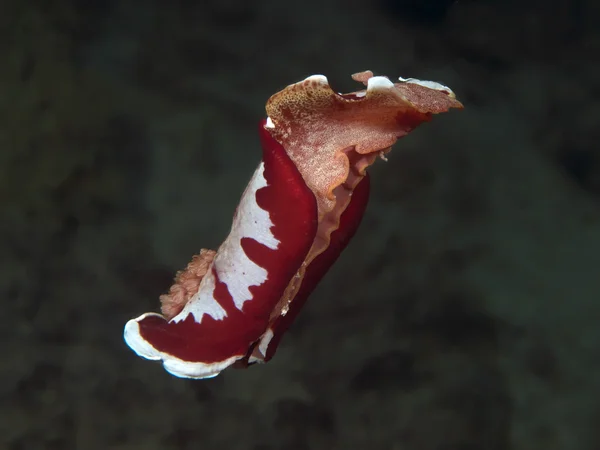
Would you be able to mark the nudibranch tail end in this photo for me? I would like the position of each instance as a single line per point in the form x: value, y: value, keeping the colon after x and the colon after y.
x: 175, y: 366
x: 242, y: 283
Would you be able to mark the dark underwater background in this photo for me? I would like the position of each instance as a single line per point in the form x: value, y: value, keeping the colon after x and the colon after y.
x: 463, y: 316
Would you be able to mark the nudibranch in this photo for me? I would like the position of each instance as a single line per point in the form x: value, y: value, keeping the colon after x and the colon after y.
x: 303, y: 204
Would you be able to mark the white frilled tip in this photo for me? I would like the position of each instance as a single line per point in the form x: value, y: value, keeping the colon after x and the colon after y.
x: 380, y: 82
x: 375, y: 83
x: 173, y: 365
x: 321, y: 79
x: 428, y: 84
x: 136, y: 342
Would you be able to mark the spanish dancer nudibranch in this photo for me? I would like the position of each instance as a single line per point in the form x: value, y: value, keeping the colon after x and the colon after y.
x: 303, y: 204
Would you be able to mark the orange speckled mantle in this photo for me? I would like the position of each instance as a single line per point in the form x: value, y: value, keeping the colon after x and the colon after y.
x: 316, y: 125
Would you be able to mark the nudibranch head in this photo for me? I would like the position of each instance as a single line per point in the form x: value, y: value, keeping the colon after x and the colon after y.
x: 317, y: 125
x: 304, y: 203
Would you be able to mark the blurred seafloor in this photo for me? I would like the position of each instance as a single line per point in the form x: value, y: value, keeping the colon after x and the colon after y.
x: 465, y: 314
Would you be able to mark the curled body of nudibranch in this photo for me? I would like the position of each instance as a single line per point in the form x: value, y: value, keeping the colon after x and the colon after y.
x: 299, y: 211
